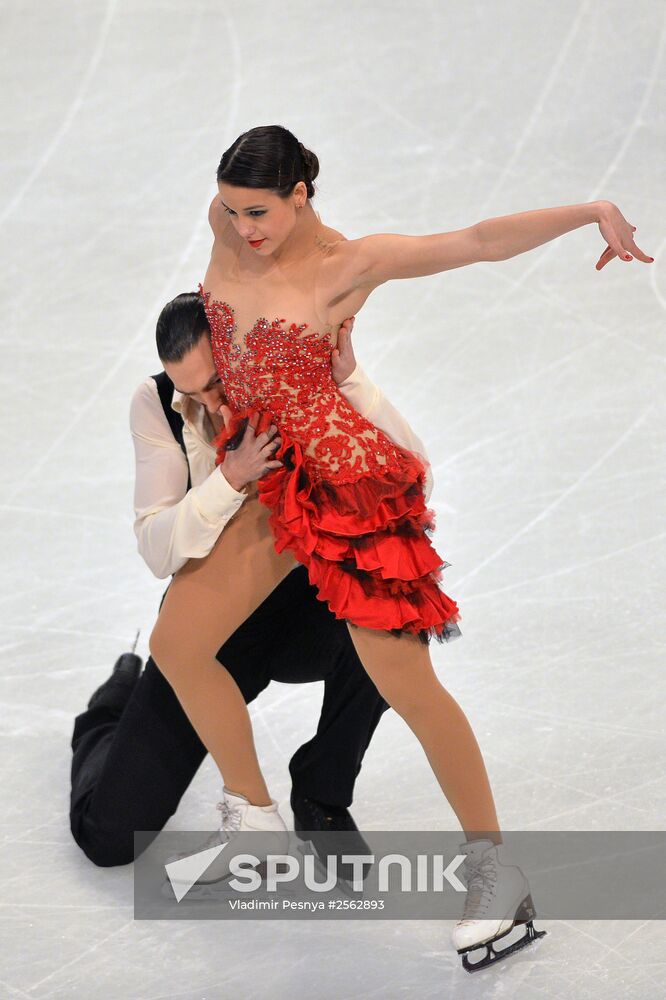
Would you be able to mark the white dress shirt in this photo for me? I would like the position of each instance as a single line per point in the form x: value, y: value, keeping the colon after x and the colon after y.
x: 173, y: 524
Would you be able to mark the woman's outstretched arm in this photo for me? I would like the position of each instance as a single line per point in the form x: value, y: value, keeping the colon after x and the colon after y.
x: 372, y: 260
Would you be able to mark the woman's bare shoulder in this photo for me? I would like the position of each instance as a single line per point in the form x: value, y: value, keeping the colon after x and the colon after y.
x: 328, y: 238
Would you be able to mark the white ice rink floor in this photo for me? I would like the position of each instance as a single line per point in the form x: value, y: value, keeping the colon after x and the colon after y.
x: 537, y: 384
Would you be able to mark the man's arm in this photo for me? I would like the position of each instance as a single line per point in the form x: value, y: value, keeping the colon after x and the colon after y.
x: 172, y: 524
x: 371, y: 403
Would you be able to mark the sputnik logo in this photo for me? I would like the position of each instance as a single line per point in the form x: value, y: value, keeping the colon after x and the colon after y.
x: 184, y: 872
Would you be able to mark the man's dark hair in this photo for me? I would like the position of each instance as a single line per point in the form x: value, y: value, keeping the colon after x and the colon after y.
x: 181, y: 325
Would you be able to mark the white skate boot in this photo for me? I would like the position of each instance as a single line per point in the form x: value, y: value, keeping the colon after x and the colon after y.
x: 244, y: 828
x: 504, y: 888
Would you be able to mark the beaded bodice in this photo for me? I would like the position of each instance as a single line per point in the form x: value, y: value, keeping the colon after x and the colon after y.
x: 286, y: 370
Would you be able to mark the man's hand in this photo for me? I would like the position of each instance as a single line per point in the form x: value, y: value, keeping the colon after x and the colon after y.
x: 252, y: 458
x: 343, y: 361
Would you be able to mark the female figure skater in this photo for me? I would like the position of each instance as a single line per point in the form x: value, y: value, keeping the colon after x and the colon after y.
x: 345, y: 500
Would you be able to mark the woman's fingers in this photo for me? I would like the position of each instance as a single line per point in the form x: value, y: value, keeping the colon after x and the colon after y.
x: 619, y: 235
x: 616, y: 241
x: 625, y: 254
x: 638, y: 253
x: 615, y: 244
x: 607, y: 255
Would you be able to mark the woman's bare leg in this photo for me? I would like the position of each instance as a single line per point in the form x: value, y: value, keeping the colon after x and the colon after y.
x: 402, y: 671
x: 207, y: 601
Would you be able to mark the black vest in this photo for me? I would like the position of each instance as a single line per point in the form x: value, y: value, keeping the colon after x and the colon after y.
x: 165, y: 392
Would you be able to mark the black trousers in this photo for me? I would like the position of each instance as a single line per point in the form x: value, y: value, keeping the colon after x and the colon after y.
x: 134, y: 758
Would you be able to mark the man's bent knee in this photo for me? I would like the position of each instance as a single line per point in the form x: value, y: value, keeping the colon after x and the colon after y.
x: 106, y: 848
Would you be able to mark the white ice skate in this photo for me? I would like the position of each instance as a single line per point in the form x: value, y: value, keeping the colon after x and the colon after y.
x: 244, y: 828
x: 504, y: 889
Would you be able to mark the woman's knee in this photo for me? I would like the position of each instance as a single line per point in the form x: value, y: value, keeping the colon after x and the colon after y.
x: 421, y: 703
x: 175, y: 642
x: 403, y: 675
x: 410, y: 705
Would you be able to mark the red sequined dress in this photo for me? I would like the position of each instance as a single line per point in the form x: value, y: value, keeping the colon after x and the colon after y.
x: 347, y: 501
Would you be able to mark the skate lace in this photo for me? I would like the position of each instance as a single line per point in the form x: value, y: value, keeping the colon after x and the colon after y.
x: 480, y: 887
x: 230, y: 817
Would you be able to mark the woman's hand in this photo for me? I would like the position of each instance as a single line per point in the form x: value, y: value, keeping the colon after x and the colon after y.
x: 252, y: 458
x: 619, y: 235
x: 343, y: 361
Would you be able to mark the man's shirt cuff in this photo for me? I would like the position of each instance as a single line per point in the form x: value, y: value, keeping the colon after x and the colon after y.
x: 216, y: 498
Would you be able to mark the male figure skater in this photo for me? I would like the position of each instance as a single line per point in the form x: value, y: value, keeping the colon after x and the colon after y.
x: 134, y: 749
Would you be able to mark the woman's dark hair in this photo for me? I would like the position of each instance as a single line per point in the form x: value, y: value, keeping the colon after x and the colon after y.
x: 269, y: 156
x: 180, y: 326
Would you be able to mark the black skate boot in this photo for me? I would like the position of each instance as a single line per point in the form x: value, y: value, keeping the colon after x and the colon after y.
x: 317, y: 823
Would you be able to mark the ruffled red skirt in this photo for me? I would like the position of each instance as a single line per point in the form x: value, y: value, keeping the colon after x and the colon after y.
x: 365, y: 544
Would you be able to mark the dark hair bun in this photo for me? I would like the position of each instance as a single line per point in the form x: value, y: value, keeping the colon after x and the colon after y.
x: 310, y: 165
x: 269, y: 156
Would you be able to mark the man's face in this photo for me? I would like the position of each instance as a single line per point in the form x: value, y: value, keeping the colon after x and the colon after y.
x: 196, y: 376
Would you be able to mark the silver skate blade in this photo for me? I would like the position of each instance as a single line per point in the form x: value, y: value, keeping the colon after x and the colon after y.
x: 493, y: 955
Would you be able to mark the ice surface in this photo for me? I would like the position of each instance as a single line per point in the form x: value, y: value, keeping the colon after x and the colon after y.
x: 537, y: 382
